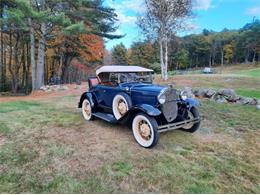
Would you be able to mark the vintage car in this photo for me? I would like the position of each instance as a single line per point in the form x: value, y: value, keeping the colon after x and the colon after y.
x: 126, y: 94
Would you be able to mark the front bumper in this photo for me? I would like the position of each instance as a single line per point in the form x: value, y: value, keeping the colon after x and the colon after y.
x: 177, y: 125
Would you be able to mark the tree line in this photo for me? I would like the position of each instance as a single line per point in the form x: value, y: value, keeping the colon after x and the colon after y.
x: 206, y: 49
x: 41, y: 38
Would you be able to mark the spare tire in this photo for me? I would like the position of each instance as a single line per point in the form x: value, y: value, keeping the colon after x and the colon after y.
x: 121, y: 104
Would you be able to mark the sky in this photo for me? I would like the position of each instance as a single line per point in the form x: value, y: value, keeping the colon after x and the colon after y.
x: 209, y: 14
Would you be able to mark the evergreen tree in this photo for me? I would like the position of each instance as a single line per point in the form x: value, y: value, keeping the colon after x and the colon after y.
x: 119, y: 55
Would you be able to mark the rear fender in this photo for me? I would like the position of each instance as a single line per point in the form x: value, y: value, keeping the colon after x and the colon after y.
x: 89, y: 96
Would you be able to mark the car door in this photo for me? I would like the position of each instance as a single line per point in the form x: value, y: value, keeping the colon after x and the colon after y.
x: 105, y: 95
x: 108, y: 95
x: 99, y: 93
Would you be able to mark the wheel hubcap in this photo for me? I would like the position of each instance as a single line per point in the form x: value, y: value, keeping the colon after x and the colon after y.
x: 122, y: 108
x: 144, y: 130
x: 87, y: 109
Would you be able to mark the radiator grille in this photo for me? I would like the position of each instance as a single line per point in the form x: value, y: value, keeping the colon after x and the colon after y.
x: 170, y: 108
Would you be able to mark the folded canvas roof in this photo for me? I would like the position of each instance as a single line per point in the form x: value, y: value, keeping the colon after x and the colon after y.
x: 115, y: 68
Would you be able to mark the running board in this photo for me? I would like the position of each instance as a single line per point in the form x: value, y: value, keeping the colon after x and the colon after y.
x: 105, y: 116
x: 177, y: 125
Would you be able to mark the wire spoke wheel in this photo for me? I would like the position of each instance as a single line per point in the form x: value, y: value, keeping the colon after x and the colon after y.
x: 190, y: 117
x: 193, y: 113
x: 145, y: 130
x: 121, y: 104
x: 122, y: 107
x: 86, y: 110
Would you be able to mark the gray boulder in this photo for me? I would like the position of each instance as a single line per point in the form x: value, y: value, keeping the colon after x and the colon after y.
x: 187, y: 91
x: 253, y: 101
x: 229, y: 94
x: 200, y: 92
x: 210, y: 93
x: 258, y: 107
x: 245, y: 100
x: 220, y: 99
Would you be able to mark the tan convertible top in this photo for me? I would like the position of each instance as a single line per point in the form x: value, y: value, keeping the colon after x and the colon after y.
x: 115, y: 68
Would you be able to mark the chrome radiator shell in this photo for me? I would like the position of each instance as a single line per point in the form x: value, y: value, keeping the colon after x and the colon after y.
x: 170, y: 107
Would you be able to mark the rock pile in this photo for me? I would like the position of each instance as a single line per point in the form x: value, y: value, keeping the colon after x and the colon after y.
x: 50, y: 88
x: 221, y: 96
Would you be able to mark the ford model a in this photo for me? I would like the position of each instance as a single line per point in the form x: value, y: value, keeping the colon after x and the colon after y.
x: 126, y: 94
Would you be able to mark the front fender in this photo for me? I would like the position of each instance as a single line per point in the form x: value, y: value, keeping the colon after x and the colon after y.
x: 148, y: 109
x: 192, y: 102
x: 89, y: 96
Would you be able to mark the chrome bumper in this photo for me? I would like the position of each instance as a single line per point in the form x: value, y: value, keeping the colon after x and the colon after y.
x: 177, y: 125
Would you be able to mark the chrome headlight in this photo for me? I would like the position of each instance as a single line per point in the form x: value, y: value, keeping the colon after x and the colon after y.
x: 161, y: 97
x: 183, y: 96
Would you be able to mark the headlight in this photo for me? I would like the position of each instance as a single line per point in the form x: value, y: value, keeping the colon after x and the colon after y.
x: 161, y: 97
x: 183, y: 96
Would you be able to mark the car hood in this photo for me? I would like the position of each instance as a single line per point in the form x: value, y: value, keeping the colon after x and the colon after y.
x: 144, y: 87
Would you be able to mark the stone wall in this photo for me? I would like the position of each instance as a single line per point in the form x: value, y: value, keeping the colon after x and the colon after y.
x: 221, y: 96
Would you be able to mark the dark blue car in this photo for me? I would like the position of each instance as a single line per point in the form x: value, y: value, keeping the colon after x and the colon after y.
x: 126, y: 94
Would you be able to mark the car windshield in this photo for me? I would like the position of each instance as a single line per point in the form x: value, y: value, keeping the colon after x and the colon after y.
x: 131, y: 77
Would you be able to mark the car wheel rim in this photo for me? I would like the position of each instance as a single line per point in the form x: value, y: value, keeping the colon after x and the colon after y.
x: 86, y: 109
x: 143, y: 131
x: 190, y: 117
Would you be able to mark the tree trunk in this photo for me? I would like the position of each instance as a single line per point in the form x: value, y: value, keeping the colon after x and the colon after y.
x: 12, y: 69
x: 67, y: 58
x: 16, y: 64
x: 222, y: 57
x: 27, y: 68
x: 247, y: 55
x: 254, y: 57
x: 41, y: 57
x: 2, y: 65
x: 162, y: 59
x: 32, y: 42
x: 197, y: 60
x: 210, y: 58
x: 24, y: 67
x: 166, y: 60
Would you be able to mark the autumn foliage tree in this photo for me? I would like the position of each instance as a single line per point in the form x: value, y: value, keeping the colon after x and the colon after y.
x: 40, y: 38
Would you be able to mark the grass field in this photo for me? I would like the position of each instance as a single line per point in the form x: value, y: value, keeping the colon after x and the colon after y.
x: 47, y: 147
x: 250, y: 73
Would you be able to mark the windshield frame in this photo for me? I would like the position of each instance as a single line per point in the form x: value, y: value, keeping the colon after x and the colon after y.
x: 131, y: 77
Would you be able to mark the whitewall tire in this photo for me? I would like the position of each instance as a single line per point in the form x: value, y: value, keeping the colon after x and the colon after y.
x: 87, y: 110
x: 121, y: 105
x: 145, y: 131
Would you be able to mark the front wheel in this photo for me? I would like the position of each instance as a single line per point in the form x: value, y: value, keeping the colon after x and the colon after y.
x: 192, y: 127
x: 145, y: 131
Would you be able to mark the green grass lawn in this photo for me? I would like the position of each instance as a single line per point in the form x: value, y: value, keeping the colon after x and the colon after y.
x: 255, y: 73
x: 48, y: 148
x: 249, y: 93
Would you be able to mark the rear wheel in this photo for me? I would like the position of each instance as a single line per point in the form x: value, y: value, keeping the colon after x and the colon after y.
x: 121, y: 104
x: 145, y: 131
x: 87, y: 110
x: 192, y: 127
